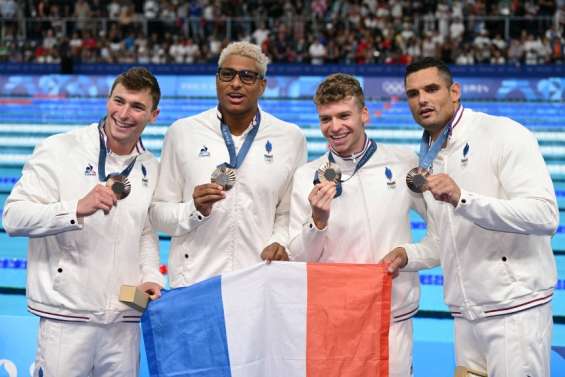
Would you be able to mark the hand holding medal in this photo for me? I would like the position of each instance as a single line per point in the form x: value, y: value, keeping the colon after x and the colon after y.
x: 320, y: 199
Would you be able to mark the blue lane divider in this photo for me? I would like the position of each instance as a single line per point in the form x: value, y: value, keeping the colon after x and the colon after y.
x: 427, y: 279
x: 9, y: 180
x: 420, y: 225
x: 13, y: 263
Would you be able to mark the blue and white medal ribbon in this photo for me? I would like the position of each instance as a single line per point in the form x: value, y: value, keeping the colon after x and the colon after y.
x: 225, y: 174
x: 330, y: 171
x: 118, y: 182
x: 416, y: 178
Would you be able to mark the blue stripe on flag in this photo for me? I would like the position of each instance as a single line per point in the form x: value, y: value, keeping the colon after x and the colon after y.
x: 194, y: 313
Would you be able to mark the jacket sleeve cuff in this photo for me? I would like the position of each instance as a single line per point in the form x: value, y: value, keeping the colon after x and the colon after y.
x: 465, y: 200
x: 154, y: 277
x: 66, y: 216
x: 195, y: 217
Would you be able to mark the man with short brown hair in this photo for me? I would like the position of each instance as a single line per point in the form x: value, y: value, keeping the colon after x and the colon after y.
x: 83, y: 200
x: 351, y: 206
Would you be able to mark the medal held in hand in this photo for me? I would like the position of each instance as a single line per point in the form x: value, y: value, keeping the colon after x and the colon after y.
x: 329, y: 172
x: 416, y: 179
x: 120, y: 185
x: 224, y: 176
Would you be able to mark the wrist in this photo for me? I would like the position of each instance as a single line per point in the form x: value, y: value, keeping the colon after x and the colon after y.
x: 319, y: 223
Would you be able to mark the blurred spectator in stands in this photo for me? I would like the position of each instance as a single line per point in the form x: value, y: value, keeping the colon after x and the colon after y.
x: 214, y: 47
x: 515, y: 51
x: 151, y: 14
x: 191, y: 51
x: 49, y: 40
x: 466, y: 56
x: 497, y: 57
x: 499, y: 43
x: 261, y: 33
x: 457, y: 29
x: 8, y: 9
x: 280, y: 48
x: 75, y: 44
x: 317, y: 51
x: 106, y: 55
x: 114, y: 9
x: 533, y: 49
x: 82, y: 13
x: 481, y: 45
x: 151, y: 9
x: 168, y: 16
x: 363, y: 50
x: 176, y: 51
x: 413, y: 48
x: 41, y: 9
x: 299, y: 53
x: 442, y: 17
x: 333, y: 53
x: 89, y: 41
x: 429, y: 47
x: 560, y: 20
x: 318, y: 8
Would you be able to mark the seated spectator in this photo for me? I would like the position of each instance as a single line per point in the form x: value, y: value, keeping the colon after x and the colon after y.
x: 317, y: 52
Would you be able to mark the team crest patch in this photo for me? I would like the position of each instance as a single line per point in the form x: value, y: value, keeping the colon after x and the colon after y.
x: 269, y: 151
x: 391, y: 182
x: 204, y: 152
x: 89, y: 170
x: 144, y: 179
x: 465, y: 158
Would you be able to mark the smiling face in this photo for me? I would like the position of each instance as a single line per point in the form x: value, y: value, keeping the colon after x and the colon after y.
x: 238, y: 99
x: 432, y: 99
x: 129, y: 111
x: 343, y: 124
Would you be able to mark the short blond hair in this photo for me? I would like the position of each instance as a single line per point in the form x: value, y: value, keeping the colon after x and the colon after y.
x: 249, y: 50
x: 338, y: 87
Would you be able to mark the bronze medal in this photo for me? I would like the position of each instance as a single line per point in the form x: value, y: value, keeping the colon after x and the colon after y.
x: 329, y: 172
x: 416, y: 179
x: 120, y: 185
x: 224, y: 176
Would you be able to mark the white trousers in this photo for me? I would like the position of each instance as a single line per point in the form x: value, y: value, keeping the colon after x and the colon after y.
x: 400, y: 340
x: 517, y: 344
x: 80, y: 349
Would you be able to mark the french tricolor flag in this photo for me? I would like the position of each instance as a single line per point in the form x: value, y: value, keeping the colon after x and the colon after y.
x: 284, y: 319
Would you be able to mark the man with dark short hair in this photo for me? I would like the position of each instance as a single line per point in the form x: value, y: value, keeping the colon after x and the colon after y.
x: 492, y: 211
x: 83, y: 200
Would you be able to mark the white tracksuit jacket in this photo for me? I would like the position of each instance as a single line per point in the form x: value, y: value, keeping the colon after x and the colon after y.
x: 368, y: 220
x: 76, y: 267
x: 255, y: 211
x: 495, y: 246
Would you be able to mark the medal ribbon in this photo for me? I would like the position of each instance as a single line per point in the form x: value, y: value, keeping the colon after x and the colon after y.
x: 368, y: 154
x: 102, y: 157
x: 428, y: 152
x: 236, y: 160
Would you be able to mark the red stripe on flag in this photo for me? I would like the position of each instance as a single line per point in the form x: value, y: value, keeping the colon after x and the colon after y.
x: 348, y: 319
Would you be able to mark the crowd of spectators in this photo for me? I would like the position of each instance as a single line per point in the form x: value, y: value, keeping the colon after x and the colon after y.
x: 291, y: 31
